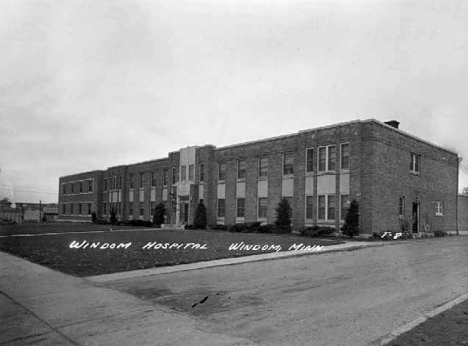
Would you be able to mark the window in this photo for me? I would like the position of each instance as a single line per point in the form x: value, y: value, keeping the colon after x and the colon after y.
x: 322, y: 159
x: 262, y: 208
x: 72, y: 188
x: 174, y: 175
x: 415, y: 165
x: 183, y: 173
x: 153, y: 179
x: 130, y: 208
x: 114, y: 185
x: 153, y: 208
x: 263, y: 167
x: 191, y: 172
x: 90, y: 186
x: 71, y: 208
x: 331, y: 208
x: 221, y: 207
x: 241, y: 169
x: 344, y: 206
x: 64, y: 209
x: 120, y: 183
x: 141, y: 180
x: 321, y: 207
x: 132, y: 182
x: 80, y: 184
x: 165, y: 177
x: 64, y: 189
x: 401, y: 206
x: 105, y: 184
x: 240, y: 207
x: 104, y: 208
x: 202, y: 172
x: 288, y: 164
x: 309, y: 207
x: 90, y: 208
x: 439, y: 208
x: 331, y: 158
x: 142, y: 208
x: 222, y: 171
x: 345, y: 156
x: 309, y: 160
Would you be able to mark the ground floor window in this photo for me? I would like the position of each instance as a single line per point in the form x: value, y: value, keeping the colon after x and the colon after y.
x: 241, y: 207
x: 309, y: 207
x: 439, y: 208
x: 64, y: 210
x: 90, y: 207
x: 153, y: 208
x: 326, y: 207
x: 262, y: 208
x: 344, y: 205
x: 142, y: 209
x: 130, y: 208
x: 71, y: 208
x: 221, y: 207
x: 401, y: 206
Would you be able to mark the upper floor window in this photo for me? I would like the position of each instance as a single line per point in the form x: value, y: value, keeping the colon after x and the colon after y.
x: 81, y: 186
x: 241, y: 169
x: 288, y: 164
x: 105, y: 185
x: 90, y: 186
x: 327, y: 158
x: 202, y: 172
x: 72, y: 187
x: 174, y: 175
x: 345, y: 156
x: 191, y: 172
x: 222, y: 171
x: 64, y: 190
x: 132, y: 181
x: 142, y: 175
x: 415, y: 165
x: 165, y: 177
x: 439, y: 208
x: 263, y: 166
x: 183, y: 173
x: 309, y: 160
x: 153, y: 179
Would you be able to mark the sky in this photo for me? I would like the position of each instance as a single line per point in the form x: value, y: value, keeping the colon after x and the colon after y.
x: 89, y: 84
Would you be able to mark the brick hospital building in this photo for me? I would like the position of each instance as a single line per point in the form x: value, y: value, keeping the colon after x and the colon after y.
x: 391, y: 174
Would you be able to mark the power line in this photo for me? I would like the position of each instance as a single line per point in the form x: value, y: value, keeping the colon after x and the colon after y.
x: 31, y: 191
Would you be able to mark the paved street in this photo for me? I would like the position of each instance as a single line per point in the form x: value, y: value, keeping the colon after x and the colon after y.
x: 339, y: 298
x: 342, y: 298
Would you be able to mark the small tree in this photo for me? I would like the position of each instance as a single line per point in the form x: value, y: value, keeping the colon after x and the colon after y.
x: 93, y: 217
x: 200, y: 216
x: 113, y: 217
x: 158, y: 216
x: 351, y: 226
x: 283, y: 215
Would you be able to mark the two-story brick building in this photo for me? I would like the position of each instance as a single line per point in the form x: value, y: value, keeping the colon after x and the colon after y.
x: 393, y: 176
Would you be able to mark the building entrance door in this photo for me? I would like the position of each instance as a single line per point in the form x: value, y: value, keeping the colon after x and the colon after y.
x: 184, y: 212
x: 415, y: 217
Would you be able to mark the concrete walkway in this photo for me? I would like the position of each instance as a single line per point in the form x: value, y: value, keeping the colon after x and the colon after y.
x: 39, y: 306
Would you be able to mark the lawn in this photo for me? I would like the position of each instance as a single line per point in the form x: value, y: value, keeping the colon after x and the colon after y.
x: 54, y: 251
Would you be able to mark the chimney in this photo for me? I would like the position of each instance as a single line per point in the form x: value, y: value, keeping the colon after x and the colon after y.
x: 393, y: 123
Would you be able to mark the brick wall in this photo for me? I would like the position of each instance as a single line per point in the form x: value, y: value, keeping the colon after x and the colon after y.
x: 463, y: 214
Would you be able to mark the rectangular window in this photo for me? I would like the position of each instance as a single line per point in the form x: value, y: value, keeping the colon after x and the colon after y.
x: 130, y: 208
x: 240, y: 207
x: 309, y: 160
x: 153, y: 179
x: 309, y: 207
x: 142, y: 175
x: 64, y: 189
x: 401, y: 207
x: 322, y: 159
x: 263, y: 167
x: 174, y: 175
x: 221, y: 208
x: 90, y: 208
x: 114, y: 185
x: 331, y: 158
x: 439, y: 208
x: 153, y: 208
x: 288, y: 164
x: 165, y: 177
x: 345, y: 156
x: 104, y: 208
x: 63, y: 209
x: 344, y: 206
x: 71, y: 208
x: 241, y: 169
x: 262, y: 208
x: 80, y: 184
x: 191, y: 172
x: 321, y: 208
x: 72, y: 187
x: 183, y: 173
x: 104, y: 183
x: 120, y: 183
x: 222, y: 171
x: 202, y: 172
x: 415, y: 166
x: 132, y: 181
x: 90, y: 186
x: 331, y: 208
x: 142, y: 208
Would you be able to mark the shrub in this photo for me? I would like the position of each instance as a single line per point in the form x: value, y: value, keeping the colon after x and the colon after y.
x: 102, y: 222
x: 113, y: 217
x: 351, y: 226
x: 439, y: 234
x: 93, y: 217
x: 283, y: 217
x: 238, y: 227
x: 253, y: 227
x: 316, y: 231
x: 324, y: 230
x: 200, y: 216
x: 158, y: 216
x: 219, y: 227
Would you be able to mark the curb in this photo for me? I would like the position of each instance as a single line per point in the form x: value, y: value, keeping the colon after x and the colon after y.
x: 407, y: 327
x: 223, y: 262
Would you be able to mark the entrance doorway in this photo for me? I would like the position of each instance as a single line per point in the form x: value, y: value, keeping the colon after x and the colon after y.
x: 184, y: 212
x: 415, y: 226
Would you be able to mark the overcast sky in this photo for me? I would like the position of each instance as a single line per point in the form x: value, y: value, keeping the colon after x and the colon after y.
x: 85, y: 85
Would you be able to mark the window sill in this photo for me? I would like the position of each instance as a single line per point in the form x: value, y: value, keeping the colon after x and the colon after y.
x: 241, y: 180
x: 415, y: 173
x: 262, y: 178
x: 288, y: 176
x: 438, y: 214
x: 326, y: 173
x: 221, y: 182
